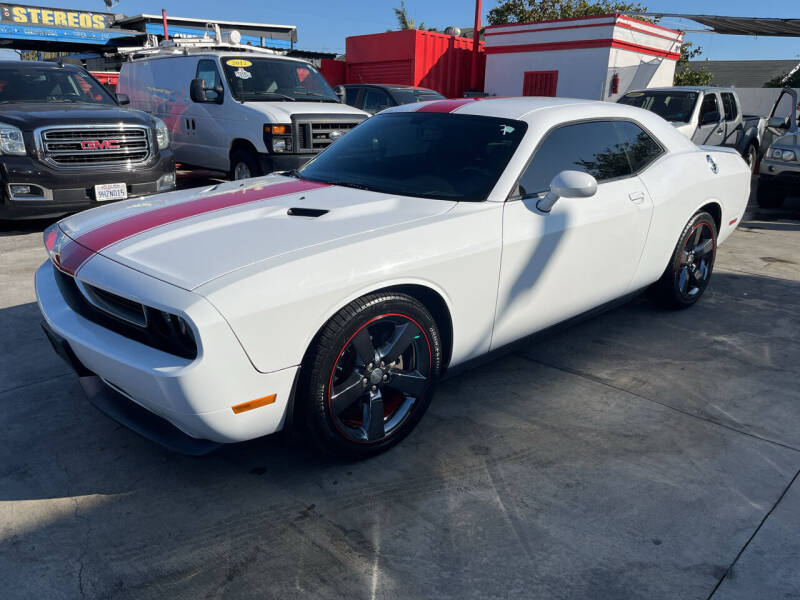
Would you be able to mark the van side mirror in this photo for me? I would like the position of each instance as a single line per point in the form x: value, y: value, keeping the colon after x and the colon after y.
x: 122, y: 99
x: 568, y: 184
x: 339, y: 91
x: 197, y: 90
x: 710, y: 117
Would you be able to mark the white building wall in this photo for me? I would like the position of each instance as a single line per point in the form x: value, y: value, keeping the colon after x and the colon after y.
x: 577, y: 72
x: 637, y: 71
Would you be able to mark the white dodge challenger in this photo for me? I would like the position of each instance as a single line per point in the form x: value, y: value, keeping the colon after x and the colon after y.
x: 335, y: 297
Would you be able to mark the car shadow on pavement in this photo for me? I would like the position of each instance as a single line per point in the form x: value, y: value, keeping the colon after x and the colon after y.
x: 24, y: 226
x: 630, y: 455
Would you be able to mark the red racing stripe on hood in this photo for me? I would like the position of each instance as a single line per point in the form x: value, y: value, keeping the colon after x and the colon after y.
x: 104, y: 236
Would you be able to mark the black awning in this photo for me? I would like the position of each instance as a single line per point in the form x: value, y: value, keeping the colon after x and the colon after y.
x: 741, y: 25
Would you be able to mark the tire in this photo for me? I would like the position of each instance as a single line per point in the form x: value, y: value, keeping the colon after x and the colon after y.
x: 340, y: 391
x: 768, y: 196
x: 244, y: 164
x: 751, y: 158
x: 689, y: 270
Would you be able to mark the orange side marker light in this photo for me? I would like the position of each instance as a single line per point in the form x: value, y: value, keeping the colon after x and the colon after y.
x: 257, y: 403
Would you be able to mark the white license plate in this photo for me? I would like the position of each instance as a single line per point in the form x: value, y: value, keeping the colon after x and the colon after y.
x: 110, y: 191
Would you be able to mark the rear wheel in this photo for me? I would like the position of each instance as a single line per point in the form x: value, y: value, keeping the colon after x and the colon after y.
x: 768, y: 196
x: 244, y: 165
x: 370, y: 375
x: 689, y: 270
x: 751, y: 158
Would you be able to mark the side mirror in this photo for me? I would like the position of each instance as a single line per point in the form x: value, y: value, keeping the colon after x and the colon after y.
x: 568, y: 184
x: 197, y: 90
x: 710, y: 117
x: 340, y: 93
x: 778, y: 123
x: 122, y: 99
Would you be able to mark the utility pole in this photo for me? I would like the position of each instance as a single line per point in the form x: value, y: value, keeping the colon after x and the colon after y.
x: 476, y: 35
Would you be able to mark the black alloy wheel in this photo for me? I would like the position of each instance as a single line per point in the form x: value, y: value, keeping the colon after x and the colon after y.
x: 371, y: 375
x: 692, y: 263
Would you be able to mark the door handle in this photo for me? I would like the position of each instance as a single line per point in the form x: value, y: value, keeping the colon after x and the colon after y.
x: 636, y: 197
x: 720, y: 130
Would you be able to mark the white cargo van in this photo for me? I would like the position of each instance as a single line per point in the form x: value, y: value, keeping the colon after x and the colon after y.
x: 242, y: 110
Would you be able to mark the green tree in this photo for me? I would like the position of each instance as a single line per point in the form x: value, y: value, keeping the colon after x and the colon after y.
x: 684, y: 74
x: 519, y: 11
x: 406, y: 22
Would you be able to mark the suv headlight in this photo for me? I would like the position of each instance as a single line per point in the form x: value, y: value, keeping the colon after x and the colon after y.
x: 11, y: 140
x: 162, y: 134
x: 781, y: 154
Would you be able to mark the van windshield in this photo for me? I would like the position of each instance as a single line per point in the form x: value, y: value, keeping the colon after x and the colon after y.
x: 669, y: 105
x: 270, y: 79
x: 52, y: 85
x: 391, y: 153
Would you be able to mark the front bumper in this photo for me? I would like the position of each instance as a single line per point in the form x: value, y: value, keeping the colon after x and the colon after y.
x: 194, y: 396
x: 59, y: 191
x: 784, y: 176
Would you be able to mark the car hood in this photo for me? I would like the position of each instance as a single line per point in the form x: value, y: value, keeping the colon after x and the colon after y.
x: 30, y: 115
x: 790, y: 140
x: 191, y: 237
x: 282, y: 112
x: 686, y: 129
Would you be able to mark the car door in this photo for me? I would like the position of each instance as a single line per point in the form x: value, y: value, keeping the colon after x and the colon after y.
x: 585, y: 251
x: 204, y: 124
x: 710, y: 125
x: 734, y: 127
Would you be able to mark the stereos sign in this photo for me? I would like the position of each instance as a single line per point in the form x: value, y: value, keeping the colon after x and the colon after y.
x: 53, y: 17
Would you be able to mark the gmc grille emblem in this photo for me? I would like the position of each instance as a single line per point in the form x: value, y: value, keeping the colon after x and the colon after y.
x: 100, y: 144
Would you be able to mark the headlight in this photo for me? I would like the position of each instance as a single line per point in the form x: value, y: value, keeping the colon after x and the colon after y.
x: 788, y: 155
x: 781, y: 154
x: 162, y: 134
x: 11, y: 140
x: 278, y: 138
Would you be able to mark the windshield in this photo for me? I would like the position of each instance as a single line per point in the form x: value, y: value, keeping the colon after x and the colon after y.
x: 407, y: 96
x: 429, y: 155
x: 32, y: 84
x: 671, y: 105
x: 270, y: 79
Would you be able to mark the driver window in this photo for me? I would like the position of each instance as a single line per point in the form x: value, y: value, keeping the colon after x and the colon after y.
x: 375, y: 100
x: 208, y: 72
x: 709, y: 105
x: 594, y: 147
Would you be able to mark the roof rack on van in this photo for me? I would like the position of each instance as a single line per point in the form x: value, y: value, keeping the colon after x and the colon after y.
x: 184, y: 44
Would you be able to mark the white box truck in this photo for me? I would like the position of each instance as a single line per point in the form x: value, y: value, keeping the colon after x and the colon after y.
x: 239, y: 109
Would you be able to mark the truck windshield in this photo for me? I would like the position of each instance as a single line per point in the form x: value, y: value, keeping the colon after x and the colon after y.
x: 32, y: 84
x: 670, y: 105
x: 270, y: 79
x: 392, y: 153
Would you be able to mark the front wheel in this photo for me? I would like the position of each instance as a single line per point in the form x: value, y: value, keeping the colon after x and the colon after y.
x: 751, y: 158
x: 244, y: 165
x: 370, y: 375
x: 690, y: 267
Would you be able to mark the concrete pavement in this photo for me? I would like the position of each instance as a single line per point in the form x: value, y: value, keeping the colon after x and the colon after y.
x: 643, y: 453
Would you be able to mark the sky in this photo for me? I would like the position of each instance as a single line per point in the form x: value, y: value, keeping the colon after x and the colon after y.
x: 323, y: 25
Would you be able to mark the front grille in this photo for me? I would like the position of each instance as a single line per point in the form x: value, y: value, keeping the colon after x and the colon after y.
x: 101, y: 145
x: 313, y: 136
x: 154, y: 332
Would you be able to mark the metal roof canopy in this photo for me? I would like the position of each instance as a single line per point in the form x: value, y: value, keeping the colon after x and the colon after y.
x: 265, y: 30
x: 740, y: 25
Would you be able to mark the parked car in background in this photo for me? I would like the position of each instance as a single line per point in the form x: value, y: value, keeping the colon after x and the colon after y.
x: 335, y: 296
x: 66, y: 143
x: 709, y: 116
x: 779, y: 173
x: 234, y: 108
x: 373, y: 97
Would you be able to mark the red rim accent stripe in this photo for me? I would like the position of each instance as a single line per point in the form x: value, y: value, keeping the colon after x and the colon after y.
x: 347, y: 343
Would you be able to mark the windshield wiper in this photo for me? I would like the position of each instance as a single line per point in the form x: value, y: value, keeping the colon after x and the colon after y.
x: 292, y: 173
x: 279, y: 95
x: 323, y: 97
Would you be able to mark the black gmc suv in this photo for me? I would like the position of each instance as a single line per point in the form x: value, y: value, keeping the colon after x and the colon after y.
x: 66, y: 144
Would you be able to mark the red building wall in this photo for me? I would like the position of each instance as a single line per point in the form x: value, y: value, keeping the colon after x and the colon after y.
x: 412, y: 57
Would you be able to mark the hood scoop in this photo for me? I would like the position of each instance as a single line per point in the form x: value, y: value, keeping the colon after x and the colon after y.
x: 306, y: 212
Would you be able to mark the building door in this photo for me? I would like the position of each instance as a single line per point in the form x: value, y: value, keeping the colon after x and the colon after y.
x: 540, y: 83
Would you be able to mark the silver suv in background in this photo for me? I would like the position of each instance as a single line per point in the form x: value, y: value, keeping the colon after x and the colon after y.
x: 779, y: 173
x: 709, y: 116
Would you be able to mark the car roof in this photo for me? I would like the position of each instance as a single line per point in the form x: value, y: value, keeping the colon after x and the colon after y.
x: 684, y: 88
x: 390, y: 86
x: 39, y: 64
x: 491, y: 106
